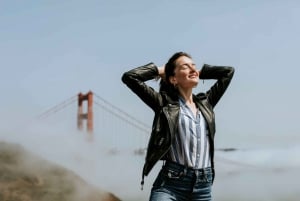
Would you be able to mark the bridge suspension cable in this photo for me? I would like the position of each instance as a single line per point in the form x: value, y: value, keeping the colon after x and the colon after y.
x: 103, y: 104
x: 57, y: 107
x: 123, y: 115
x: 132, y: 123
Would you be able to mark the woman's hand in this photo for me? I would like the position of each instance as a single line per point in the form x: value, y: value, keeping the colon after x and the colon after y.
x: 161, y: 72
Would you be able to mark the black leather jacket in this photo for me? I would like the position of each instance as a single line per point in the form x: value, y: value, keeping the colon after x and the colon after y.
x: 166, y: 107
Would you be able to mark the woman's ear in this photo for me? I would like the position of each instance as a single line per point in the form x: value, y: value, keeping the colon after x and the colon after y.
x: 172, y: 80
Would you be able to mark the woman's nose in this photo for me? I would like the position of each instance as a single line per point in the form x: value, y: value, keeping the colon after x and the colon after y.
x: 193, y: 68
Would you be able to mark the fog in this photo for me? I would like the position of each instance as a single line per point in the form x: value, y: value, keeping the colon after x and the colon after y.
x: 244, y: 174
x: 263, y: 174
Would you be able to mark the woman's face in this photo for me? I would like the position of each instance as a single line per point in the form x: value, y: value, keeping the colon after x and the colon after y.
x: 186, y: 74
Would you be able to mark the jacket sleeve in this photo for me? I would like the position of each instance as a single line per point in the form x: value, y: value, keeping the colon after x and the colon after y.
x: 135, y: 79
x: 223, y: 75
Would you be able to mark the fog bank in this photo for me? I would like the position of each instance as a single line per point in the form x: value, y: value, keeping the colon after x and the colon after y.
x: 258, y: 174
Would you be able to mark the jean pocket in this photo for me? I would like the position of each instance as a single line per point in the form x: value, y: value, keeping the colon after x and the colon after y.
x: 205, y: 178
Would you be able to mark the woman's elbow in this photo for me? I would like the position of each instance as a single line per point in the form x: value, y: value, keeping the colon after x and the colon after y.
x: 125, y: 77
x: 230, y: 70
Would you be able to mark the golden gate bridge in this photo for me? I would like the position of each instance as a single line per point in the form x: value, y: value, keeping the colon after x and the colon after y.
x: 114, y: 121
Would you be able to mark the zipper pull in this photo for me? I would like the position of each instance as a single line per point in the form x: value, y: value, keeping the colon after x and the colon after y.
x: 142, y: 184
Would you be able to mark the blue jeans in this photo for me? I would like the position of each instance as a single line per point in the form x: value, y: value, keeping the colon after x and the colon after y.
x: 176, y: 182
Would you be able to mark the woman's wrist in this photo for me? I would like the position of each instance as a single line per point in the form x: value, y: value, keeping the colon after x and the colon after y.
x: 161, y: 70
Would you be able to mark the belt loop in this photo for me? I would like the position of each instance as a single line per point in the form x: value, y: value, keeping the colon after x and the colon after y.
x: 205, y: 174
x: 184, y: 171
x: 196, y: 173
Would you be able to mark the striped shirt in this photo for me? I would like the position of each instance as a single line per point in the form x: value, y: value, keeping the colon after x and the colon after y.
x: 190, y: 146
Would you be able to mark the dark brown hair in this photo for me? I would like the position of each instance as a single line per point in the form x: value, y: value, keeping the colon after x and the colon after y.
x: 165, y: 84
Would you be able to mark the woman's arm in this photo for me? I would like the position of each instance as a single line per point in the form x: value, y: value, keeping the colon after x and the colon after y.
x: 135, y: 79
x: 223, y: 75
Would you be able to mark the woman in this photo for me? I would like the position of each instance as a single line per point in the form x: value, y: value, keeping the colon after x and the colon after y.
x: 183, y: 128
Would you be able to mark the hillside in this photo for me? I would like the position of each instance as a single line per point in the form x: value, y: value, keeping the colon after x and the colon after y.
x: 26, y: 177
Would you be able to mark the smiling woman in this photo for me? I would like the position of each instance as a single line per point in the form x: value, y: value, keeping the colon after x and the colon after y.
x: 185, y: 75
x: 183, y: 127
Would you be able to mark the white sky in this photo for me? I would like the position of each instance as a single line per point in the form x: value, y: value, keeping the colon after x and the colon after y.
x: 52, y: 50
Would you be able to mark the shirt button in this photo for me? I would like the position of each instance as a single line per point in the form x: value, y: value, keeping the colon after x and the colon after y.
x: 198, y: 155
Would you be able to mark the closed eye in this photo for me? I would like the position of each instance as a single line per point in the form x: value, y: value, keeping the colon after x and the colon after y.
x: 186, y: 66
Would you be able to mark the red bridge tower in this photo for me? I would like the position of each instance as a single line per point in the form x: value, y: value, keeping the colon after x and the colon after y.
x: 89, y: 115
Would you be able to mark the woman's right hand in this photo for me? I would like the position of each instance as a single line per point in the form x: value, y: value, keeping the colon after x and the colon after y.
x: 161, y: 71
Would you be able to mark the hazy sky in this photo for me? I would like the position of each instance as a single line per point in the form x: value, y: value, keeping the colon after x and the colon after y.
x: 52, y: 50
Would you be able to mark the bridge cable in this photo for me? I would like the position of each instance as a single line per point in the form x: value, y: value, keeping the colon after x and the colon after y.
x: 57, y: 107
x: 123, y: 112
x: 122, y: 118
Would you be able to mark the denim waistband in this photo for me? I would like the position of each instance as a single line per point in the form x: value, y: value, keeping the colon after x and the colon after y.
x: 179, y: 167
